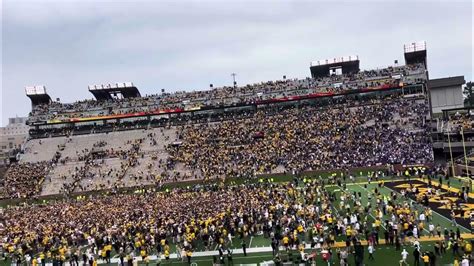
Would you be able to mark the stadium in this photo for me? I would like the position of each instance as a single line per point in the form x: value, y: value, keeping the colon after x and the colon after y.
x: 251, y: 133
x: 346, y: 167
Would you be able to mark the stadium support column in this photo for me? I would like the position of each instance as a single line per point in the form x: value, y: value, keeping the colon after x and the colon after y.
x: 465, y: 154
x: 451, y: 153
x: 233, y: 77
x: 148, y: 121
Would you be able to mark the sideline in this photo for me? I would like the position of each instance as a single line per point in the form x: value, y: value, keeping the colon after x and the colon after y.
x: 201, y: 254
x: 444, y: 186
x: 434, y: 211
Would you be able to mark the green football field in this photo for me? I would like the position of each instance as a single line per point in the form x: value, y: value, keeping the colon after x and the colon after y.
x: 384, y: 254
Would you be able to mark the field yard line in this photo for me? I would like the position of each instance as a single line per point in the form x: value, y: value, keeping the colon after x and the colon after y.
x: 335, y: 207
x: 444, y: 186
x: 367, y: 191
x: 260, y: 252
x: 366, y: 182
x: 250, y: 244
x: 369, y: 212
x: 210, y: 259
x: 442, y: 216
x: 337, y: 212
x: 409, y: 199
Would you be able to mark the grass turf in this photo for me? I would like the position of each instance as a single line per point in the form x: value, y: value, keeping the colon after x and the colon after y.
x: 383, y: 254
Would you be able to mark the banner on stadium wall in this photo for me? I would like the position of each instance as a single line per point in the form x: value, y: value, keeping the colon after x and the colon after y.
x: 321, y: 94
x: 54, y: 121
x: 83, y: 119
x: 166, y: 111
x: 115, y: 116
x: 376, y: 88
x: 293, y: 98
x: 118, y: 116
x: 179, y: 110
x: 195, y: 108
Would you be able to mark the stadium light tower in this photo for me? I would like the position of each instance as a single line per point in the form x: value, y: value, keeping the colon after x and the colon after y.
x: 233, y: 76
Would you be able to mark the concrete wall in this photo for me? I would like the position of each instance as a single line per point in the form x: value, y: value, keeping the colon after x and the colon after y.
x: 446, y: 98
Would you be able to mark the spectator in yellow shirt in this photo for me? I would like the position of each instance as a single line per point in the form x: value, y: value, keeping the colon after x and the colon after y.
x: 426, y: 259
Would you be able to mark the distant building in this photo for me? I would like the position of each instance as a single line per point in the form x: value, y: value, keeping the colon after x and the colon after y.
x: 446, y: 93
x: 12, y: 137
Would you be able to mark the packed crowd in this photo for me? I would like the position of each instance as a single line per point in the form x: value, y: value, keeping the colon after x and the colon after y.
x: 458, y: 122
x: 24, y: 180
x: 290, y: 214
x: 226, y: 95
x: 384, y: 131
x: 345, y: 134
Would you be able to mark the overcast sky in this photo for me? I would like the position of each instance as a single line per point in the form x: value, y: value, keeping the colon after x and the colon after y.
x: 67, y: 45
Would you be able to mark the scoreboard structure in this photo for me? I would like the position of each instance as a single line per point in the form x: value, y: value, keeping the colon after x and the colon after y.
x: 415, y: 53
x: 335, y: 66
x: 109, y: 91
x: 37, y: 95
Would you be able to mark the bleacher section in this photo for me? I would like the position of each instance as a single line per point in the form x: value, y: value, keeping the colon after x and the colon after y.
x: 108, y: 171
x: 309, y: 138
x: 280, y: 132
x: 231, y: 96
x: 171, y: 154
x: 37, y: 150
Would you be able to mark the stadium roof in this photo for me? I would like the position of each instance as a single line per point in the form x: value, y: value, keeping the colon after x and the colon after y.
x: 107, y: 91
x: 446, y: 82
x: 322, y: 68
x: 37, y: 95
